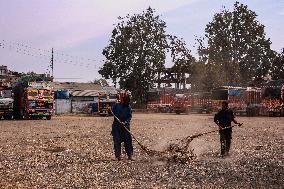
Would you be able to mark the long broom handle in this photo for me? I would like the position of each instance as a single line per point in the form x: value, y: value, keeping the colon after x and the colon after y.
x: 205, y: 133
x: 122, y: 124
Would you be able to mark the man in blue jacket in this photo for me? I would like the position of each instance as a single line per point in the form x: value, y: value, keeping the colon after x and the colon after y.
x: 123, y: 112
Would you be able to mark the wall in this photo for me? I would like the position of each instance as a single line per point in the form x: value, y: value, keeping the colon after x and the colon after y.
x: 62, y: 106
x: 74, y: 105
x: 81, y: 106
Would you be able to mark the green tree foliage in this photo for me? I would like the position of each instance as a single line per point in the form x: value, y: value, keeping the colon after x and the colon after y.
x: 198, y: 76
x: 181, y: 58
x: 136, y: 53
x: 277, y: 70
x: 235, y: 47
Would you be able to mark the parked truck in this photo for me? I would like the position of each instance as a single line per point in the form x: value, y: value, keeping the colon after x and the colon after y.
x: 181, y: 104
x: 34, y: 101
x: 273, y: 98
x: 105, y: 103
x: 6, y: 103
x: 201, y: 102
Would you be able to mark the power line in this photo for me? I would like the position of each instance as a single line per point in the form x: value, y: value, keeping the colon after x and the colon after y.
x: 45, y: 54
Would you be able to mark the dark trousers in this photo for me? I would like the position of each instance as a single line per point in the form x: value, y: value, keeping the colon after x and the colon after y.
x: 225, y: 140
x: 121, y: 135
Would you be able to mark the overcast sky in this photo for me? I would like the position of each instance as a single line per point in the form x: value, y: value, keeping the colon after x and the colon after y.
x: 79, y: 30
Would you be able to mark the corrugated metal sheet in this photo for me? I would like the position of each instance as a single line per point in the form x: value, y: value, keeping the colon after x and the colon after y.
x: 76, y: 86
x: 85, y: 93
x: 82, y: 98
x: 62, y: 106
x: 79, y: 86
x: 92, y: 92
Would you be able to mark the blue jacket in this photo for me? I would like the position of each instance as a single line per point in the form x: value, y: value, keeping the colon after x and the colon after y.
x: 124, y: 114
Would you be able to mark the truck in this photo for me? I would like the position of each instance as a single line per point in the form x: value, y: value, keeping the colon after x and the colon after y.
x: 105, y: 103
x: 201, y: 102
x: 34, y: 101
x: 6, y: 103
x: 238, y: 98
x: 273, y: 98
x: 161, y: 104
x: 181, y: 104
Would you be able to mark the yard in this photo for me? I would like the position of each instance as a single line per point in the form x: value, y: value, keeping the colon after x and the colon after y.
x: 77, y: 152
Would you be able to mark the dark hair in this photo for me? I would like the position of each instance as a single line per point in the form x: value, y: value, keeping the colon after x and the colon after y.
x: 225, y: 102
x: 126, y: 98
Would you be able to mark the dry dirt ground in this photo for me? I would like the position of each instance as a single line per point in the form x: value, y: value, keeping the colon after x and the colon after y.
x: 77, y: 152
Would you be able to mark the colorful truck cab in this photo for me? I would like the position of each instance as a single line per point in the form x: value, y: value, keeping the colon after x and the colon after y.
x: 35, y: 101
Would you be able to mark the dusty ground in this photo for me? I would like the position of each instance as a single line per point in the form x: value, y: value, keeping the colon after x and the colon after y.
x: 76, y: 152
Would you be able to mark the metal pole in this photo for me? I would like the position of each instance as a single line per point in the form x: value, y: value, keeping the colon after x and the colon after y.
x: 52, y: 63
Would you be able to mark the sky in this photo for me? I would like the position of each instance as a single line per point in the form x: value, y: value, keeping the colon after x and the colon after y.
x: 79, y: 30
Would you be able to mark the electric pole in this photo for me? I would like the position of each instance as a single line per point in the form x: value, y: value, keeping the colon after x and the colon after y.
x: 52, y: 63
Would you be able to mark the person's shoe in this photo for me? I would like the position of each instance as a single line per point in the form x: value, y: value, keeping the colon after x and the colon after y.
x: 224, y: 155
x: 227, y: 154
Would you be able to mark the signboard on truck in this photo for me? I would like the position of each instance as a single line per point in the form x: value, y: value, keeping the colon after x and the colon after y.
x: 39, y: 85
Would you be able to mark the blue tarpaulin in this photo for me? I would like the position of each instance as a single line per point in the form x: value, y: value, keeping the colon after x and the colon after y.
x: 236, y: 92
x: 62, y: 94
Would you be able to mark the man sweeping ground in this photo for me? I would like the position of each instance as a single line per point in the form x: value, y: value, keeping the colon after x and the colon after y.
x: 223, y: 119
x: 123, y: 112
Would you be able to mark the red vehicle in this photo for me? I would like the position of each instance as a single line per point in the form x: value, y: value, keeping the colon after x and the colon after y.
x: 162, y: 105
x: 272, y: 98
x: 201, y: 102
x: 239, y: 98
x: 181, y: 104
x: 253, y: 99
